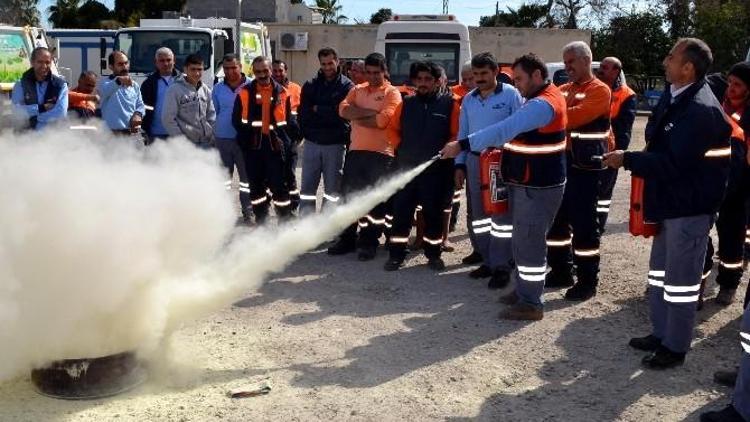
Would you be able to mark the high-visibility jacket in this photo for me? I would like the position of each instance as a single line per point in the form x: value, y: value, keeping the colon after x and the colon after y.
x: 260, y: 112
x: 589, y: 131
x: 537, y: 158
x: 622, y: 114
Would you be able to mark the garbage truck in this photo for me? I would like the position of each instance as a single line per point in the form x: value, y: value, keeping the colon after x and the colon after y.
x: 211, y: 38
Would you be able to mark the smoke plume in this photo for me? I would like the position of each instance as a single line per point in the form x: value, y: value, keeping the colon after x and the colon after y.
x: 107, y: 247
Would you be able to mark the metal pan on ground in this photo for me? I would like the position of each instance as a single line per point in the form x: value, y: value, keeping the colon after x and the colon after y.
x: 89, y: 378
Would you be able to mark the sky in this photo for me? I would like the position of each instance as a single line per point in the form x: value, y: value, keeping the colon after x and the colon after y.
x: 467, y: 11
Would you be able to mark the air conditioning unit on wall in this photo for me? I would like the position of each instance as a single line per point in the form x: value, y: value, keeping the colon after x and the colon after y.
x: 293, y: 41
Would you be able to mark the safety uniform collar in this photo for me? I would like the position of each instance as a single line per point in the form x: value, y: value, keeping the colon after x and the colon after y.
x: 498, y: 89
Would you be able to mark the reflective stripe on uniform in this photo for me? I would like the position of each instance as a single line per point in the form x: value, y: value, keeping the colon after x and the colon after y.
x: 375, y: 221
x: 294, y: 192
x: 745, y: 341
x: 599, y: 135
x: 504, y: 231
x: 259, y: 201
x: 481, y: 226
x: 603, y: 205
x: 731, y: 265
x: 532, y: 273
x: 282, y: 203
x: 556, y: 243
x: 394, y: 239
x: 656, y: 278
x: 682, y: 289
x: 308, y: 197
x: 586, y: 252
x: 330, y: 198
x: 535, y: 149
x: 580, y: 96
x: 435, y: 242
x: 680, y: 299
x: 719, y: 152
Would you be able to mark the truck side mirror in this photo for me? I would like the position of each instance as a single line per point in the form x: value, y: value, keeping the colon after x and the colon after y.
x: 102, y: 56
x: 228, y: 46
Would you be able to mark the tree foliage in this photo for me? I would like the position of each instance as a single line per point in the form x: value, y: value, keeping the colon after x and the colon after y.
x: 526, y: 16
x: 725, y: 27
x: 381, y: 16
x: 20, y: 12
x: 130, y: 12
x: 71, y: 14
x: 331, y: 11
x: 638, y: 39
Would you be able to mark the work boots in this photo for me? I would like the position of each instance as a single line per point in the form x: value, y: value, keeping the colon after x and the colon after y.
x: 522, y: 312
x: 557, y: 279
x: 727, y: 414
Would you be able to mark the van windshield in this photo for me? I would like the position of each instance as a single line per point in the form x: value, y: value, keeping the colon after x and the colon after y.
x: 400, y: 56
x: 141, y: 46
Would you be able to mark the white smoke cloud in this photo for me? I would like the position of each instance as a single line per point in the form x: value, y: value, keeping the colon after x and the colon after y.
x: 106, y: 247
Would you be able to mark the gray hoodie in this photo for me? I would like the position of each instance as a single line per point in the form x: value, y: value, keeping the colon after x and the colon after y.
x: 189, y: 111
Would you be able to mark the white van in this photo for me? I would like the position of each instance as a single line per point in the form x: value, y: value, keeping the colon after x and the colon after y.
x: 440, y: 39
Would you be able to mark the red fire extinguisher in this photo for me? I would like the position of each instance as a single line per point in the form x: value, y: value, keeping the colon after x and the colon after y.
x: 494, y: 190
x: 638, y: 224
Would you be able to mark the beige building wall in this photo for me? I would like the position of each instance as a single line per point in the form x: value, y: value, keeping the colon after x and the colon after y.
x: 356, y: 41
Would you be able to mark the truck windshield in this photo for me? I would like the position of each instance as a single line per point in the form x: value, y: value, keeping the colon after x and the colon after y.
x: 14, y: 56
x: 400, y: 56
x: 141, y: 46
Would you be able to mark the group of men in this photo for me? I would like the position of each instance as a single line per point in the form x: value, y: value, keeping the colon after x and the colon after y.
x: 561, y: 148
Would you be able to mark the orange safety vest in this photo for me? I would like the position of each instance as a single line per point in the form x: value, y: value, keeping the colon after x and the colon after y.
x: 619, y: 96
x: 267, y: 119
x: 537, y: 158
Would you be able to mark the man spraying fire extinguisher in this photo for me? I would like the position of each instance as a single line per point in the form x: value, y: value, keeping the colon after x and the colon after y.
x: 533, y: 166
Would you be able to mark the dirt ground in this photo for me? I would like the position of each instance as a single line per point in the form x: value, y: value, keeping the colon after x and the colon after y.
x: 344, y: 340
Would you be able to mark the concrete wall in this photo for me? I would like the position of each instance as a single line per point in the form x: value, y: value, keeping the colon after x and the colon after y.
x: 351, y: 41
x: 509, y: 43
x: 356, y: 41
x: 252, y: 11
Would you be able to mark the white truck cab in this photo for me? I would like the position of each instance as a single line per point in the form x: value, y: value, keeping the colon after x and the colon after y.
x: 440, y: 39
x: 250, y: 39
x: 140, y: 45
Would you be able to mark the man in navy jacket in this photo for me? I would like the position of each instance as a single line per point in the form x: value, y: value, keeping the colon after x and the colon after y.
x: 326, y: 133
x: 685, y: 168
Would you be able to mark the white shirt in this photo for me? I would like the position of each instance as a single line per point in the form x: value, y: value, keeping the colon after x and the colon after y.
x: 676, y: 92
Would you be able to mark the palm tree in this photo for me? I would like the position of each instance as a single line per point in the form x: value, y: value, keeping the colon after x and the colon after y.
x: 331, y: 11
x: 64, y: 13
x: 20, y: 12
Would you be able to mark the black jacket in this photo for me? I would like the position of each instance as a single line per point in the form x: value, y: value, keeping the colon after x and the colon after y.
x: 680, y: 180
x: 324, y: 126
x: 148, y: 92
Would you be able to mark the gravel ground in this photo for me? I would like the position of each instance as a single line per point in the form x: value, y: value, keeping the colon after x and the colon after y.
x: 344, y: 340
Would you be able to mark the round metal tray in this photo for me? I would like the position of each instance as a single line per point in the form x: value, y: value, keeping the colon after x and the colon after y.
x: 89, y: 378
